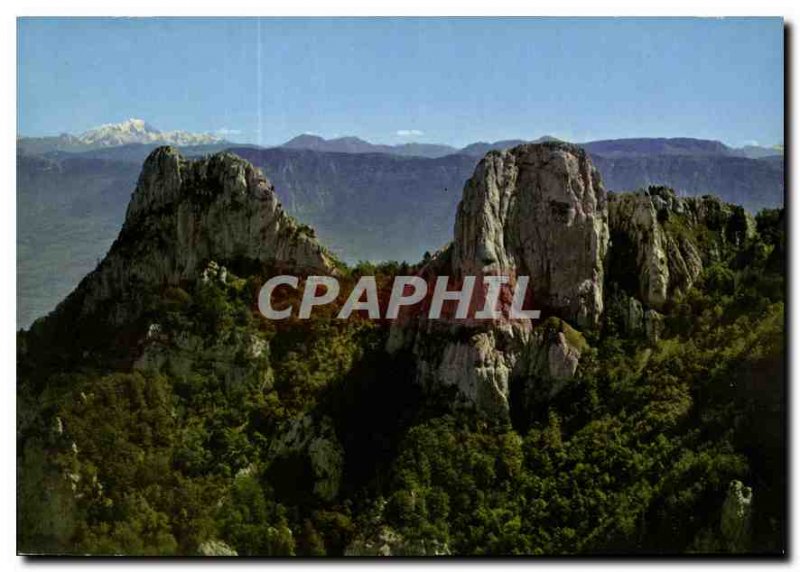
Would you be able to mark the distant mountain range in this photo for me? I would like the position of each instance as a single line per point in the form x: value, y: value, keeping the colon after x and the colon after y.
x: 633, y: 147
x: 131, y: 131
x: 137, y: 131
x: 357, y: 145
x: 367, y: 202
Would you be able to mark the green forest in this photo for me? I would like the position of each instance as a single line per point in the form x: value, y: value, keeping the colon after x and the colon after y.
x: 231, y: 434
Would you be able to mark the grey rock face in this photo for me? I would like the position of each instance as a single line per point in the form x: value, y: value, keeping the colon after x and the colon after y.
x: 481, y: 363
x: 388, y: 542
x: 220, y: 207
x: 537, y: 210
x: 215, y: 548
x: 653, y: 325
x: 550, y: 360
x: 541, y: 211
x: 555, y: 350
x: 315, y: 438
x: 662, y: 241
x: 635, y: 217
x: 185, y: 213
x: 638, y: 320
x: 633, y: 315
x: 477, y: 363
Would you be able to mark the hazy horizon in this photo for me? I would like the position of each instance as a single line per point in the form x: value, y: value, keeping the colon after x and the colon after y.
x: 232, y: 138
x: 451, y: 81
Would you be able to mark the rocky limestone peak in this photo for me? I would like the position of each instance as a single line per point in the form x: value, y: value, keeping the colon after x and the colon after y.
x: 660, y: 242
x: 217, y: 208
x: 182, y: 215
x: 537, y: 210
x: 541, y: 210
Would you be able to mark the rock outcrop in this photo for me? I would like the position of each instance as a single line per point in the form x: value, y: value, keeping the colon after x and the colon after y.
x: 550, y: 361
x: 661, y: 242
x: 183, y: 214
x: 315, y: 440
x: 215, y: 548
x: 540, y: 210
x: 636, y: 320
x: 474, y: 364
x: 537, y: 210
x: 735, y: 518
x: 385, y: 541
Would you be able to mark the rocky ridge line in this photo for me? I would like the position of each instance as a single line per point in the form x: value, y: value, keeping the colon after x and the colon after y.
x: 541, y: 210
x: 183, y: 214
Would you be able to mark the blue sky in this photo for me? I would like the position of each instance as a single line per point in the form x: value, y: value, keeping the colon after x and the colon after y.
x: 394, y: 80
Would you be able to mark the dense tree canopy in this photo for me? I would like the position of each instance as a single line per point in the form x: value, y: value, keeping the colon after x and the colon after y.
x: 176, y: 453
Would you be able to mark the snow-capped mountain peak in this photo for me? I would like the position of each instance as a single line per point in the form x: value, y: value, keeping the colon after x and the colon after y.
x: 139, y: 131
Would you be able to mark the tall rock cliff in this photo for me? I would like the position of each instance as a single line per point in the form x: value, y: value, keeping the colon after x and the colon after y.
x: 661, y: 242
x: 538, y: 211
x: 183, y: 214
x: 219, y: 207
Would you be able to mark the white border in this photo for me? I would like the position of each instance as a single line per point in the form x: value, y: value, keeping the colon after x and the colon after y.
x: 407, y: 8
x: 11, y: 10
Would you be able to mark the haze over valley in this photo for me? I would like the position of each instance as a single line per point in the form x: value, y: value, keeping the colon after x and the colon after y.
x: 366, y: 201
